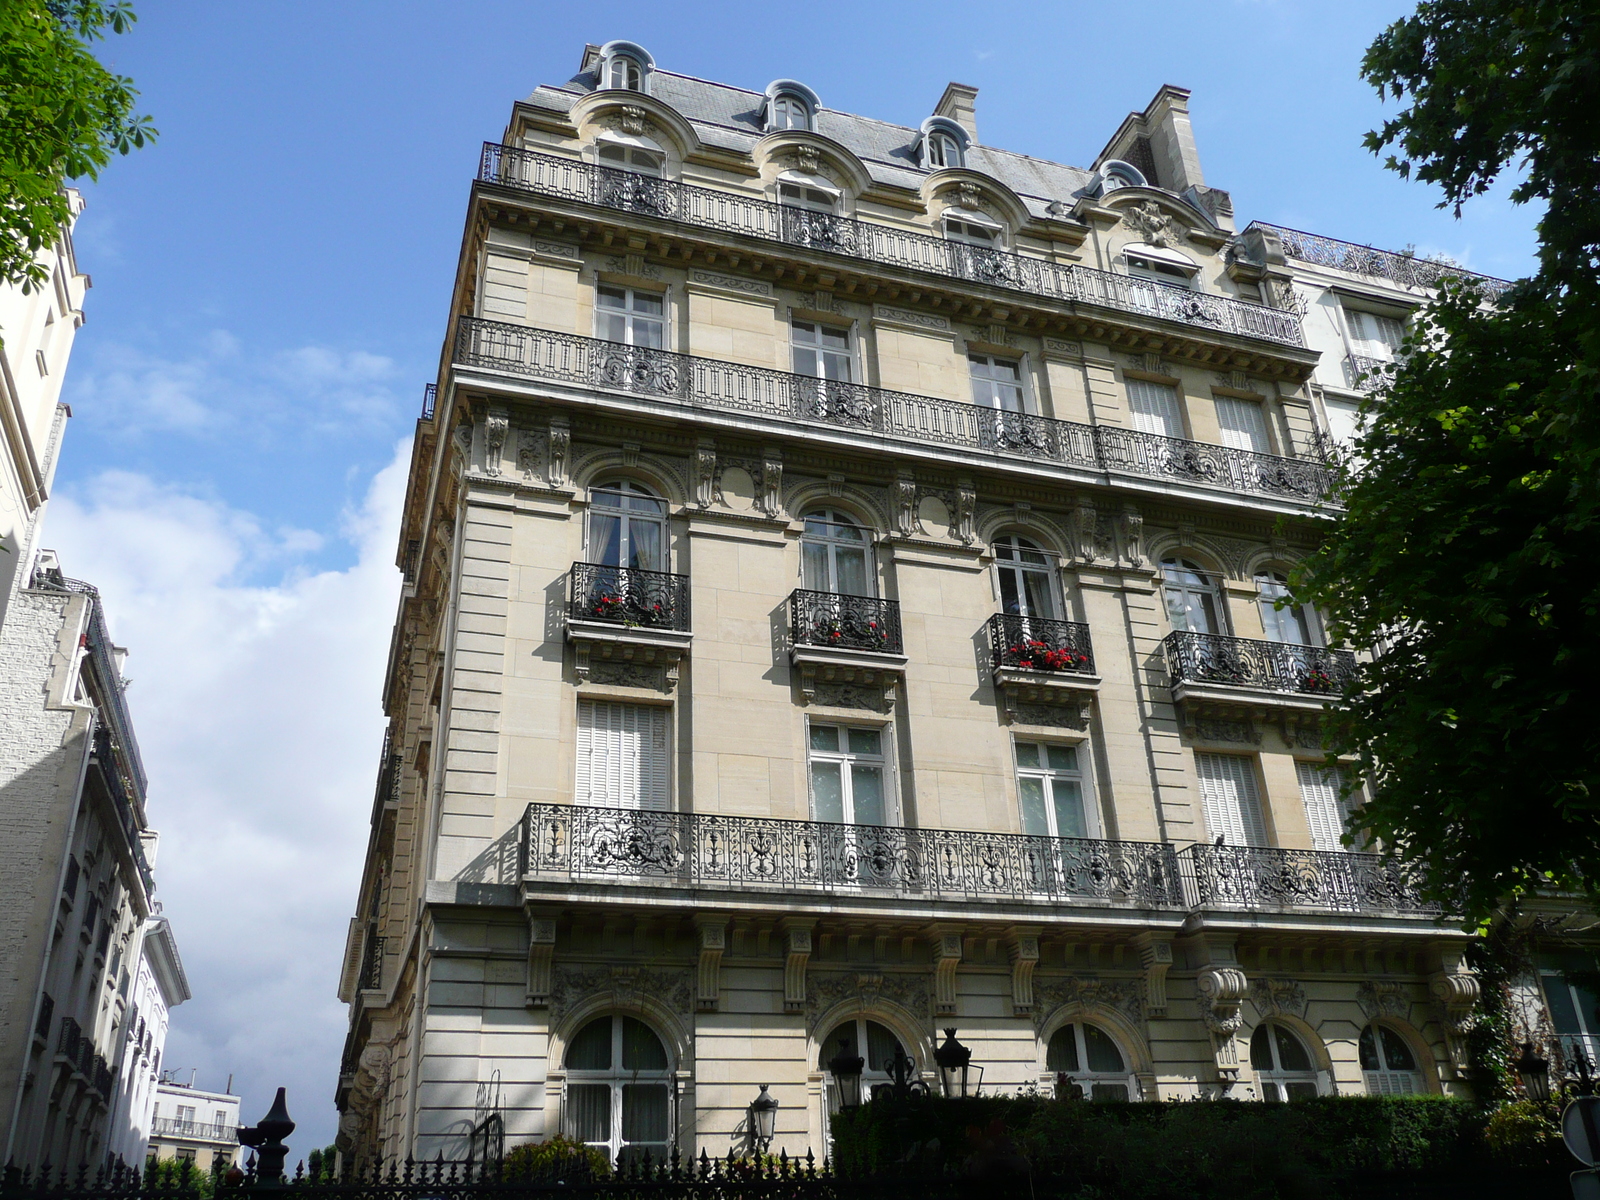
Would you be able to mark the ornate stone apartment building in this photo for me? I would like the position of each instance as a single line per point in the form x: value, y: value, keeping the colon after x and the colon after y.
x: 841, y: 571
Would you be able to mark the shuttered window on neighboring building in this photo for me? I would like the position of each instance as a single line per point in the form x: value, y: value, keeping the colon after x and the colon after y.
x: 1232, y: 804
x: 622, y: 755
x: 1325, y: 811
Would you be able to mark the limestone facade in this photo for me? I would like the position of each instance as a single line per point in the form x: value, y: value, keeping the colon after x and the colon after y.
x: 964, y: 391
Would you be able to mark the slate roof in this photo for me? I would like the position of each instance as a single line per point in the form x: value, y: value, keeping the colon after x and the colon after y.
x: 730, y: 118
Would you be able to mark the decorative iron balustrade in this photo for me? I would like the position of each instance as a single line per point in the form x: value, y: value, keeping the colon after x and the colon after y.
x: 372, y: 962
x: 430, y: 397
x: 1365, y: 373
x: 102, y: 1077
x: 628, y: 596
x: 844, y: 622
x: 1257, y: 877
x: 69, y: 1039
x: 699, y: 850
x: 199, y: 1131
x: 1247, y: 662
x: 1038, y: 644
x: 705, y: 382
x: 41, y: 1024
x: 1405, y: 269
x: 549, y: 175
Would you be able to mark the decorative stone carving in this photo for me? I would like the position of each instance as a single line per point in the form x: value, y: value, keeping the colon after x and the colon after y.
x: 797, y: 944
x: 560, y: 450
x: 853, y: 695
x: 495, y: 427
x: 970, y: 196
x: 906, y: 316
x: 530, y: 451
x: 633, y: 266
x: 626, y: 987
x: 1069, y: 711
x: 1023, y: 948
x: 1155, y: 955
x: 807, y: 160
x: 1383, y: 998
x: 625, y: 674
x: 1279, y: 997
x: 1085, y: 526
x: 541, y: 951
x: 1455, y: 993
x: 1059, y: 346
x: 946, y: 958
x: 826, y: 990
x: 705, y: 473
x: 1153, y: 225
x: 1124, y: 996
x: 631, y: 120
x: 770, y: 499
x: 713, y: 940
x: 963, y: 510
x: 905, y: 505
x: 1221, y: 990
x: 731, y: 283
x: 1239, y: 729
x: 1130, y: 537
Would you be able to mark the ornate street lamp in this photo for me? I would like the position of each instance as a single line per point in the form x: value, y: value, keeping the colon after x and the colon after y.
x: 1534, y: 1073
x: 764, y: 1117
x: 846, y: 1069
x: 901, y: 1069
x: 954, y: 1061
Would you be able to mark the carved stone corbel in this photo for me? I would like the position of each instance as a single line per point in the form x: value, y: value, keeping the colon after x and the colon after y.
x: 966, y: 508
x: 797, y: 941
x: 541, y: 951
x: 1085, y: 526
x: 1130, y: 533
x: 946, y: 958
x: 495, y: 427
x: 713, y: 940
x: 1220, y: 989
x: 560, y: 450
x: 1024, y: 950
x: 905, y: 504
x: 1455, y: 991
x: 1155, y: 955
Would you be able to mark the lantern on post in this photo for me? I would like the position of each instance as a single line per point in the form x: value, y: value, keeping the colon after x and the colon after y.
x: 846, y: 1069
x: 1534, y: 1073
x: 955, y: 1063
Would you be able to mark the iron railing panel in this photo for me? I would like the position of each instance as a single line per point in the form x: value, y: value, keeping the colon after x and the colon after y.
x: 1251, y: 662
x: 628, y: 596
x: 844, y: 622
x: 1269, y: 877
x: 1405, y: 269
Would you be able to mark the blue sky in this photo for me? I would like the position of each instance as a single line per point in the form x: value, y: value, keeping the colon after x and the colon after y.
x: 270, y: 291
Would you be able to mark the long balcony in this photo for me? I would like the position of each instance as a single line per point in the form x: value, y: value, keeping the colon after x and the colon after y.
x: 1265, y: 877
x: 729, y: 212
x: 628, y: 596
x: 700, y: 383
x: 1208, y: 659
x: 577, y: 844
x: 840, y: 622
x: 1407, y: 270
x: 194, y: 1130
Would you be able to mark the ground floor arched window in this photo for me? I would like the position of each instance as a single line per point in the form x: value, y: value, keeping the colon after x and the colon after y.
x: 619, y: 1089
x: 1387, y: 1064
x: 1282, y: 1063
x: 1089, y: 1065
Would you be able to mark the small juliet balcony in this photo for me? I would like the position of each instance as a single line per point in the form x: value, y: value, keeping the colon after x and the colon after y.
x: 630, y: 627
x: 847, y: 649
x: 1043, y: 670
x: 1211, y: 667
x: 1363, y: 373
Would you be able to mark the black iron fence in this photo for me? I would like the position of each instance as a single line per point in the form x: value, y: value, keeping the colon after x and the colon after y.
x: 844, y: 622
x: 1267, y: 877
x: 568, y: 179
x: 1038, y: 644
x: 574, y: 843
x: 628, y: 596
x: 705, y: 382
x: 1247, y: 662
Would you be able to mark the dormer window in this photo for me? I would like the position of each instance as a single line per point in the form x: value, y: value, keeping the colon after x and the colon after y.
x: 798, y: 195
x: 629, y: 158
x: 970, y: 232
x: 625, y: 67
x: 1160, y: 265
x: 944, y: 144
x: 943, y: 151
x: 791, y: 105
x: 1118, y: 174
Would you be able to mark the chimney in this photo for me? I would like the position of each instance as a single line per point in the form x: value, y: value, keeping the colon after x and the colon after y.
x: 957, y: 103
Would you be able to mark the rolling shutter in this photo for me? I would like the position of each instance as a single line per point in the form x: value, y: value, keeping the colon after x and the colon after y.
x: 1232, y: 805
x: 622, y: 755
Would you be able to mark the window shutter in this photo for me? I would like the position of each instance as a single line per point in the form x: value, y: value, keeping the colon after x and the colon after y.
x: 1319, y: 792
x: 1228, y: 793
x: 1155, y: 408
x: 622, y: 755
x: 1244, y: 426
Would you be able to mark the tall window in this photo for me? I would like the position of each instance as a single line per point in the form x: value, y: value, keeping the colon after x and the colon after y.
x: 1193, y: 603
x: 820, y: 351
x: 629, y: 158
x: 627, y: 527
x: 1050, y: 791
x: 996, y: 382
x: 789, y: 112
x: 629, y: 316
x: 1243, y: 424
x: 1027, y: 579
x: 834, y: 551
x: 1232, y: 804
x: 617, y: 1089
x: 1573, y: 1013
x: 942, y: 150
x: 1155, y: 408
x: 1287, y: 624
x: 1326, y: 812
x: 1282, y: 1063
x: 799, y: 195
x: 1387, y: 1064
x: 624, y: 73
x: 848, y: 775
x: 622, y: 755
x: 1375, y: 336
x: 1093, y: 1061
x: 860, y: 1038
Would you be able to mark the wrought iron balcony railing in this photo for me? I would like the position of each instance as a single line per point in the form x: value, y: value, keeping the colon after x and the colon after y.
x: 1365, y: 373
x: 430, y: 397
x: 1266, y: 877
x: 102, y: 1077
x: 709, y: 383
x: 577, y: 843
x: 844, y: 622
x: 569, y: 179
x: 1246, y: 662
x: 1407, y: 270
x: 628, y: 596
x: 1037, y: 644
x: 372, y: 961
x: 197, y: 1130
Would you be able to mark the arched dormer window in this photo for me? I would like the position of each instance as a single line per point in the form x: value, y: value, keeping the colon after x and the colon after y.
x: 791, y: 105
x: 631, y: 155
x: 1118, y: 174
x: 625, y: 66
x: 944, y: 144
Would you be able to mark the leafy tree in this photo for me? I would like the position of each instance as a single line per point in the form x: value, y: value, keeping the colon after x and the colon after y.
x: 62, y: 115
x: 1468, y: 550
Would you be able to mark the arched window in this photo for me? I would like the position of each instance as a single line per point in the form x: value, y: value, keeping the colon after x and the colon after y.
x: 941, y: 150
x: 625, y: 73
x: 1387, y: 1064
x: 1290, y: 623
x: 617, y: 1089
x: 798, y: 194
x: 835, y: 554
x: 788, y: 111
x: 970, y: 232
x: 1088, y: 1064
x: 1282, y: 1063
x: 627, y: 526
x: 1193, y: 602
x: 860, y: 1037
x: 1118, y: 174
x: 623, y: 157
x: 1027, y: 578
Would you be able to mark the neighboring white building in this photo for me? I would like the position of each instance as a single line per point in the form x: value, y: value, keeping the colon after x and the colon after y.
x: 196, y: 1125
x: 159, y: 987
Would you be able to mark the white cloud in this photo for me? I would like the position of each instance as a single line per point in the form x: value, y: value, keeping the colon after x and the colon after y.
x: 257, y: 711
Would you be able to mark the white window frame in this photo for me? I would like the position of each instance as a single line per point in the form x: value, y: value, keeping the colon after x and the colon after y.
x: 1085, y: 1080
x: 616, y: 1077
x: 941, y: 149
x: 994, y: 385
x: 1082, y: 776
x: 871, y: 1076
x: 1388, y: 333
x: 793, y: 193
x: 1015, y: 545
x: 1149, y: 269
x: 963, y: 228
x: 631, y: 81
x: 846, y: 760
x: 1274, y: 1082
x: 648, y: 795
x: 1256, y: 436
x: 1327, y: 811
x: 627, y: 515
x: 1272, y: 584
x: 787, y: 104
x: 1209, y: 588
x: 819, y: 351
x: 1236, y: 814
x: 868, y: 546
x: 632, y: 318
x: 1386, y: 1079
x: 655, y: 166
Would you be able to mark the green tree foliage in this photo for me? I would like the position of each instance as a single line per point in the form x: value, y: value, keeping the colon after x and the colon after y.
x: 62, y: 115
x: 1468, y: 549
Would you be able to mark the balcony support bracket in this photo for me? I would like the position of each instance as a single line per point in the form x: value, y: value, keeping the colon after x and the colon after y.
x: 947, y: 947
x: 713, y: 940
x: 1155, y: 956
x: 797, y: 942
x: 1045, y: 698
x: 623, y: 656
x: 541, y: 952
x: 846, y: 678
x: 1024, y: 951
